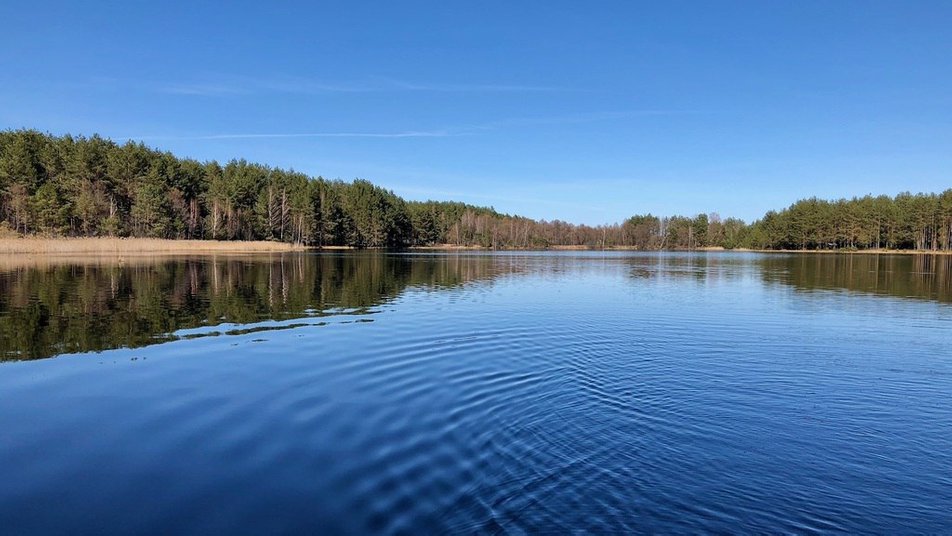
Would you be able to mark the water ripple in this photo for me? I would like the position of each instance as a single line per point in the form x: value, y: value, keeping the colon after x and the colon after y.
x: 569, y: 394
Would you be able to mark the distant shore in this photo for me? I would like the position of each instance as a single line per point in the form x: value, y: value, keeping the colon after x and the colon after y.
x: 844, y: 251
x: 156, y: 246
x: 453, y: 247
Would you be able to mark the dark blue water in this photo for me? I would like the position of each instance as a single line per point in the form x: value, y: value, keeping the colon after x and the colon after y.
x: 479, y: 394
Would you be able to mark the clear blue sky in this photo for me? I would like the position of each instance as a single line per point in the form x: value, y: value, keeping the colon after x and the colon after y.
x: 582, y: 111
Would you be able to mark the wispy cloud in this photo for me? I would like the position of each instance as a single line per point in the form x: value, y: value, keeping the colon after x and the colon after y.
x: 462, y: 130
x: 568, y: 119
x: 202, y: 89
x: 578, y: 118
x: 404, y: 134
x: 224, y: 85
x: 470, y: 87
x: 524, y: 200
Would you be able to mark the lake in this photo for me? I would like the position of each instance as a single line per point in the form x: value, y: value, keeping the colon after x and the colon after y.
x: 477, y: 393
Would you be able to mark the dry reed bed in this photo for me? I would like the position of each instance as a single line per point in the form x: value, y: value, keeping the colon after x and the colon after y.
x: 135, y: 246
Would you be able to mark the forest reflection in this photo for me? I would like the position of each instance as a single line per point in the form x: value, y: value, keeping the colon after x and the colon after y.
x: 927, y: 277
x: 50, y: 307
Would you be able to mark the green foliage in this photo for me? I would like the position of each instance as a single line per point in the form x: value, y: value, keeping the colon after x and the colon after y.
x: 95, y: 187
x: 49, y: 209
x: 908, y: 221
x: 92, y: 186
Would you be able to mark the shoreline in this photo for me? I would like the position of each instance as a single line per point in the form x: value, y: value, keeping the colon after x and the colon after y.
x: 51, y: 247
x: 137, y: 246
x: 845, y: 252
x: 708, y: 249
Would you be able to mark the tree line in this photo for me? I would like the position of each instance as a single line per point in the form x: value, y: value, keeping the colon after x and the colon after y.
x: 906, y: 221
x: 91, y: 186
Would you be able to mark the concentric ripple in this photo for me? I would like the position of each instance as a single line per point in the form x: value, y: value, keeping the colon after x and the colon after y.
x: 549, y: 394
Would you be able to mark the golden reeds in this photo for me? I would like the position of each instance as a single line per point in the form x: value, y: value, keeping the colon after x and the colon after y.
x: 136, y: 246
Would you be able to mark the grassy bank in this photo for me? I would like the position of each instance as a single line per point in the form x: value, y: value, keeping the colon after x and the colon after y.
x: 135, y: 246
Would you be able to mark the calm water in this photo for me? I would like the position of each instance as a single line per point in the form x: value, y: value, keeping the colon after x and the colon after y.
x: 510, y: 393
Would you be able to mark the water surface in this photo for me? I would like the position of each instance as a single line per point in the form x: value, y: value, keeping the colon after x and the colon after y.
x: 508, y: 393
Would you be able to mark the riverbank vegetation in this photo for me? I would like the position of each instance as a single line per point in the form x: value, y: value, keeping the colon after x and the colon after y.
x: 65, y: 186
x: 143, y: 246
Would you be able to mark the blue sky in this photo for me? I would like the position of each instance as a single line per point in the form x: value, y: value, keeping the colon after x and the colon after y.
x: 583, y: 111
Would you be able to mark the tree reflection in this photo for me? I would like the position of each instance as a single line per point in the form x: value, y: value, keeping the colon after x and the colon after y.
x: 51, y: 308
x: 906, y: 276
